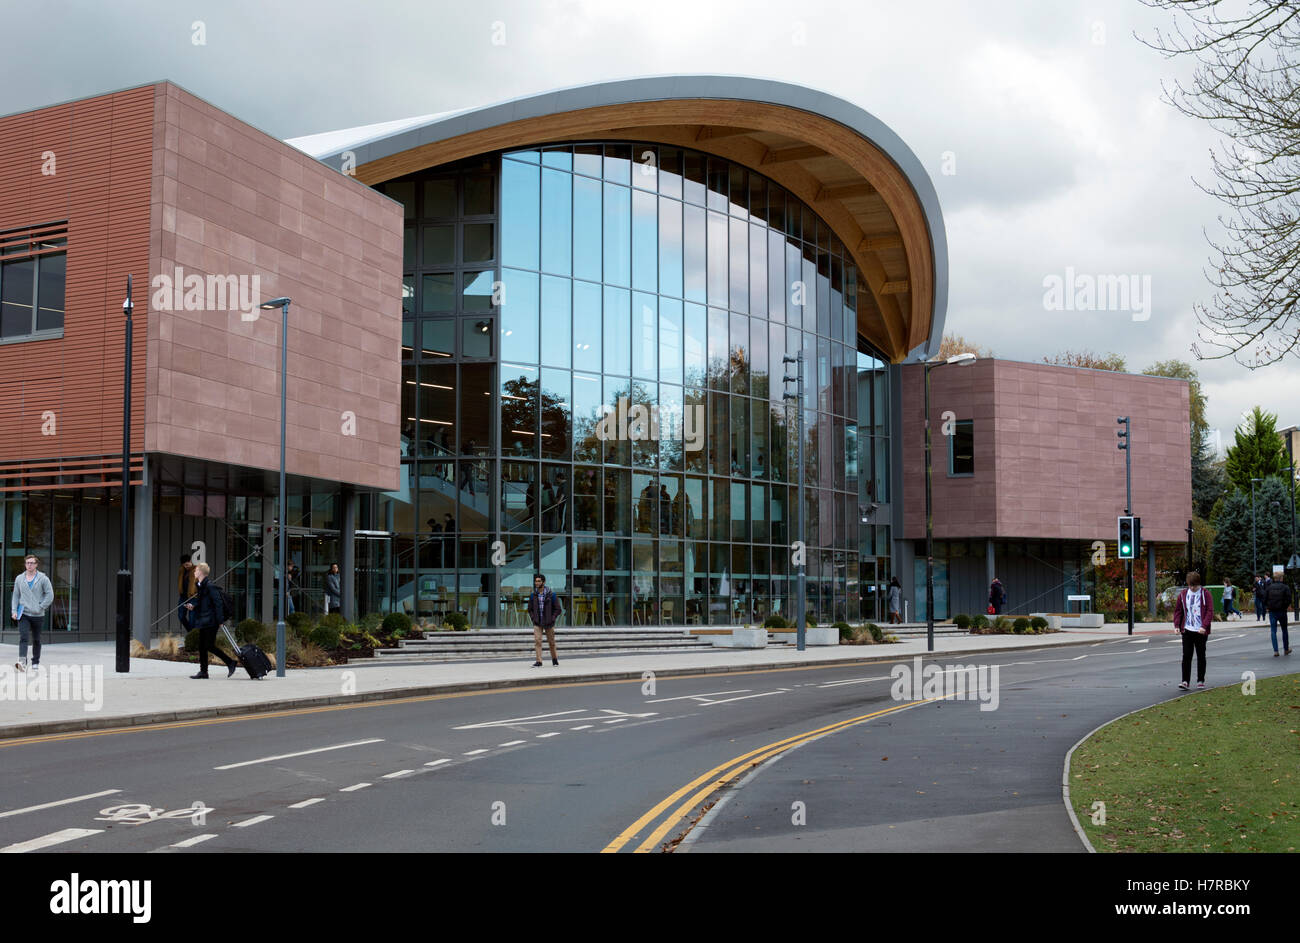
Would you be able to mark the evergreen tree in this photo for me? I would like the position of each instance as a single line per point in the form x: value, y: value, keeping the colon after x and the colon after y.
x: 1233, y: 552
x: 1258, y: 452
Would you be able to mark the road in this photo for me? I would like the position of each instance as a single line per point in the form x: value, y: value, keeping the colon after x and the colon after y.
x: 808, y: 759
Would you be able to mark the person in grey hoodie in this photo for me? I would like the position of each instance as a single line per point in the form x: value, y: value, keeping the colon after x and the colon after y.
x: 32, y: 595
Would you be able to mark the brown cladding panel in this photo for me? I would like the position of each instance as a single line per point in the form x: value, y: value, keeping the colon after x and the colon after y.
x: 100, y: 153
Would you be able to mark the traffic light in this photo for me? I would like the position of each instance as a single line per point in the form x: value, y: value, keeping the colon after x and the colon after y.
x: 1127, y: 539
x: 1123, y: 434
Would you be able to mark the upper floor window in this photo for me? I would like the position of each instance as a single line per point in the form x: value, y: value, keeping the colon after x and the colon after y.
x: 33, y: 279
x: 961, y: 448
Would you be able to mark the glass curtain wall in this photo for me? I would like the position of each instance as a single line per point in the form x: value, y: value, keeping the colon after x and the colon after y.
x: 592, y: 374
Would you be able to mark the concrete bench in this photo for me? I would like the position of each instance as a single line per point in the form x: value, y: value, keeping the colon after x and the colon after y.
x: 819, y: 635
x: 1084, y: 620
x: 742, y: 638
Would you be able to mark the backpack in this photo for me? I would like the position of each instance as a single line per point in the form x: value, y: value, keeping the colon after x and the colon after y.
x: 225, y: 604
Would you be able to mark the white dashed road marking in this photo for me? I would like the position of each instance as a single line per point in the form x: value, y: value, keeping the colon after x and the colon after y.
x: 51, y: 805
x: 400, y: 772
x: 45, y: 841
x: 474, y: 752
x: 191, y: 842
x: 543, y: 736
x: 437, y: 762
x: 253, y: 821
x: 354, y: 788
x: 583, y: 727
x: 512, y: 743
x: 305, y: 803
x: 289, y: 756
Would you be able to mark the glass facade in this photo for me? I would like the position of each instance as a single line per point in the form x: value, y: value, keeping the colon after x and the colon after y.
x: 592, y: 389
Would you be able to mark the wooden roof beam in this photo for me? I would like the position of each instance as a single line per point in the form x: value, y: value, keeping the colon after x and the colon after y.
x: 786, y: 155
x: 715, y: 133
x: 880, y: 241
x: 845, y: 192
x: 899, y: 287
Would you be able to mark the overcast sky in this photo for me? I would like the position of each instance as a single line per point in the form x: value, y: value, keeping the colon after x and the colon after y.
x: 1048, y: 117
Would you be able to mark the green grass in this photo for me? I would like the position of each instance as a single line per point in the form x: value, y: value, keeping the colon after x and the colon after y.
x: 1213, y: 771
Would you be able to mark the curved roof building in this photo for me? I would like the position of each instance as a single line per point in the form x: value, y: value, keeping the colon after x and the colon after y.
x: 844, y: 163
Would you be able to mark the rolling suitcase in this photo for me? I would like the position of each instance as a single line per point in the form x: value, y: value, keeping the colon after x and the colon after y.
x: 250, y: 656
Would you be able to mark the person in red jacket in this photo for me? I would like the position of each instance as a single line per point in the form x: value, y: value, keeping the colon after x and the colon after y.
x: 543, y: 609
x: 1193, y: 616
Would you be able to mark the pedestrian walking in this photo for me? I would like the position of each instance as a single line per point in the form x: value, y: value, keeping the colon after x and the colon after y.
x: 1258, y: 587
x: 290, y: 587
x: 205, y: 615
x: 186, y: 586
x: 1229, y: 600
x: 333, y: 589
x: 1277, y: 596
x: 1193, y: 615
x: 997, y: 596
x: 895, y: 601
x: 32, y: 596
x: 543, y: 610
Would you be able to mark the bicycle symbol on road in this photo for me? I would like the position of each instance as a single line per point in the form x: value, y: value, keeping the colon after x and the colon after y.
x: 138, y: 813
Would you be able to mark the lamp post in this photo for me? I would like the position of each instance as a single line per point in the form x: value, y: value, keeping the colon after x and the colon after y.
x: 800, y: 605
x: 123, y: 647
x: 961, y: 360
x: 283, y: 592
x: 1254, y: 545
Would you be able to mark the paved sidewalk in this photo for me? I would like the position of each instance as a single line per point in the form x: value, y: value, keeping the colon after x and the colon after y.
x: 162, y: 691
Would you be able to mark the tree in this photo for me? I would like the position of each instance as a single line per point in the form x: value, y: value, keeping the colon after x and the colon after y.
x: 954, y: 344
x: 1233, y: 552
x: 1247, y: 85
x: 1196, y: 401
x: 1258, y: 451
x: 1086, y: 358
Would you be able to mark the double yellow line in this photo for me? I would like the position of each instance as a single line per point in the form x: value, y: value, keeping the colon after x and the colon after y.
x: 721, y: 775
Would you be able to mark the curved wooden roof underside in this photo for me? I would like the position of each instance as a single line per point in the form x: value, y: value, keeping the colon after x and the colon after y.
x: 855, y: 173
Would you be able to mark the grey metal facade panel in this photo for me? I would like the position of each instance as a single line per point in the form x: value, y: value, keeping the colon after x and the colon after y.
x: 675, y: 87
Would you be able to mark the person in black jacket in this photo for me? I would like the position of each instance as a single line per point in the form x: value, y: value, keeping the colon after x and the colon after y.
x: 543, y: 609
x: 997, y: 596
x: 205, y: 615
x: 1277, y: 596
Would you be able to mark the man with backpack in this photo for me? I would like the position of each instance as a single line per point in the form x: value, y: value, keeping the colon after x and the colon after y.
x: 1277, y: 596
x: 207, y: 613
x: 543, y: 609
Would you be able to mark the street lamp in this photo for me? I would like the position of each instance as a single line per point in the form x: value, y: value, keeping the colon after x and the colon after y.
x: 960, y: 360
x: 800, y: 605
x: 1254, y: 547
x: 123, y: 646
x: 283, y: 305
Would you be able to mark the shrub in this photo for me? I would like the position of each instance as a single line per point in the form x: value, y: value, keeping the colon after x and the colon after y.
x: 1039, y: 623
x: 456, y: 621
x: 300, y: 624
x: 862, y: 636
x: 335, y: 619
x: 876, y: 634
x: 326, y: 636
x: 396, y: 624
x: 1139, y: 615
x: 1002, y: 625
x: 191, y: 644
x: 312, y: 656
x: 168, y: 645
x: 981, y: 621
x: 962, y: 621
x: 371, y: 621
x: 810, y: 620
x: 775, y: 621
x: 252, y: 631
x: 1020, y: 625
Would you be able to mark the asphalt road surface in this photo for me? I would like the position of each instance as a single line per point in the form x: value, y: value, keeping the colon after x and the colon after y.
x: 815, y: 759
